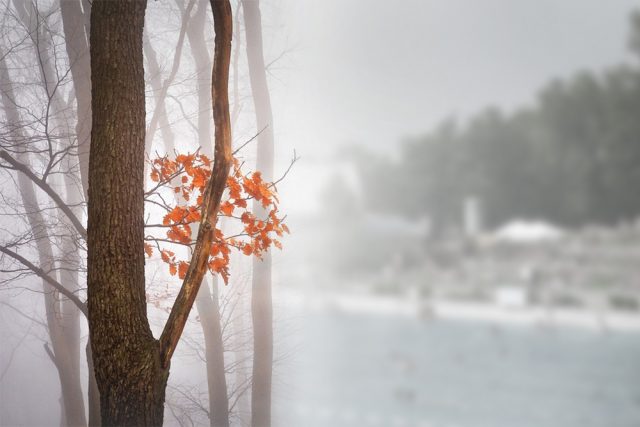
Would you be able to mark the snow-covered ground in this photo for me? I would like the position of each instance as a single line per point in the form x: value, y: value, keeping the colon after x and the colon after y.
x: 366, y: 303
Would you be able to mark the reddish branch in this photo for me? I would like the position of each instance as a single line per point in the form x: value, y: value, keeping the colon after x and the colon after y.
x: 222, y: 22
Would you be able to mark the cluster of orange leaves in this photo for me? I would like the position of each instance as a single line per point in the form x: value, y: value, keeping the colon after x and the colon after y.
x: 191, y: 172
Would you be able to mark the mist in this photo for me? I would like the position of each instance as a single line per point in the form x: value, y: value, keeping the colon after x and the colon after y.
x: 457, y: 183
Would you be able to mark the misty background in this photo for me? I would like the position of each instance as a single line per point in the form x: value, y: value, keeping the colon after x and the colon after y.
x: 464, y: 216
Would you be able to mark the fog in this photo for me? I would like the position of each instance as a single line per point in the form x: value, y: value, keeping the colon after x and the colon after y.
x: 460, y: 182
x: 370, y: 73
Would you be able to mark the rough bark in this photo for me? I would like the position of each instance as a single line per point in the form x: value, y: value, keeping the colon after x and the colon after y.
x: 130, y: 376
x: 261, y: 303
x: 131, y: 366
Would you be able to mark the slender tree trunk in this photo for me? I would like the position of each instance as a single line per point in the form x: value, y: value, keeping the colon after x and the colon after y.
x: 93, y: 392
x: 62, y: 320
x: 261, y: 304
x: 161, y: 89
x: 75, y: 22
x: 207, y: 302
x: 162, y: 121
x: 240, y: 295
x: 209, y: 310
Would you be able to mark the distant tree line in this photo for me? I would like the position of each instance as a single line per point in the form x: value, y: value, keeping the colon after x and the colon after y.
x: 572, y: 159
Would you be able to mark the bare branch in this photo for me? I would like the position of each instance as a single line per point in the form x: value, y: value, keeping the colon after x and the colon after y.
x: 47, y: 189
x: 50, y: 280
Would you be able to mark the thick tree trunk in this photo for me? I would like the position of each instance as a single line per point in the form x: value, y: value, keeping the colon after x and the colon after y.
x: 261, y: 304
x: 129, y: 373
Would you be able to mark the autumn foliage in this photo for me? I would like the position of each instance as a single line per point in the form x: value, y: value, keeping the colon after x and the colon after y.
x: 185, y: 177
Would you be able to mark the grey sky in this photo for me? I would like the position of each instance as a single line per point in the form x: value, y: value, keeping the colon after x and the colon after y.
x: 374, y: 71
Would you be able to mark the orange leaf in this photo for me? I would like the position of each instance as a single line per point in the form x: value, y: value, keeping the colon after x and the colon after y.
x: 246, y: 218
x: 148, y: 249
x: 227, y: 208
x: 172, y: 269
x: 217, y: 264
x: 182, y: 269
x: 165, y: 256
x: 247, y: 249
x: 199, y: 178
x: 215, y: 249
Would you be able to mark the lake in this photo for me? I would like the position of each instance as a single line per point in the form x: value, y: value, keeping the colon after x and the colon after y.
x: 345, y: 369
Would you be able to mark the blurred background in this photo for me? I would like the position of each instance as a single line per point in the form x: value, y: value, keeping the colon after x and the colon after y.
x: 465, y: 238
x: 465, y: 218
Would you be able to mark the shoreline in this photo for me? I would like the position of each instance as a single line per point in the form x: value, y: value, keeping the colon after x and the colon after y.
x: 429, y: 310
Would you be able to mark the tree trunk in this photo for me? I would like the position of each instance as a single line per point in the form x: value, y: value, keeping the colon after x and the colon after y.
x: 93, y: 393
x: 129, y: 373
x: 261, y: 304
x: 75, y: 21
x: 62, y: 340
x: 132, y: 367
x: 206, y: 303
x: 209, y: 311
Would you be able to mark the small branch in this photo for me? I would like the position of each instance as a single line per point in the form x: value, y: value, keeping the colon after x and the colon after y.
x: 250, y: 139
x: 42, y: 274
x: 51, y: 355
x: 286, y: 172
x: 47, y: 189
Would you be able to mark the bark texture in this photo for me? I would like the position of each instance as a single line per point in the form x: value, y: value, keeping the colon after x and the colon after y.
x: 261, y: 303
x: 131, y: 366
x: 130, y: 376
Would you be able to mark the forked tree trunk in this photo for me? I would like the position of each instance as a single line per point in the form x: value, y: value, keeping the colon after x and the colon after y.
x: 131, y: 366
x: 261, y: 304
